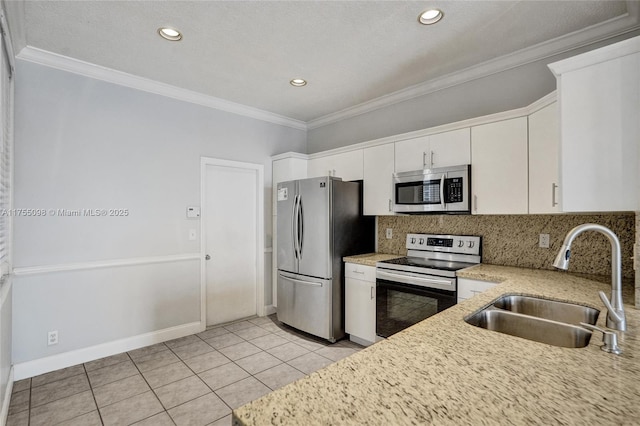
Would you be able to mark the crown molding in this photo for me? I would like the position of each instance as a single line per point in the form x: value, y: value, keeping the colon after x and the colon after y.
x: 65, y: 63
x: 468, y: 123
x: 577, y: 39
x: 289, y: 154
x: 613, y: 51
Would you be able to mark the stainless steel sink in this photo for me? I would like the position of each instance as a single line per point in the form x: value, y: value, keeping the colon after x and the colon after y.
x: 549, y: 309
x: 532, y: 328
x: 541, y: 320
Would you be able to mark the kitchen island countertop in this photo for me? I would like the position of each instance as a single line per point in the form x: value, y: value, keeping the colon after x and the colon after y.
x: 445, y: 371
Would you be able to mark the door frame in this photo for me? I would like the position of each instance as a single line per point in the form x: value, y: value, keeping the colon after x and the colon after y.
x: 259, y: 169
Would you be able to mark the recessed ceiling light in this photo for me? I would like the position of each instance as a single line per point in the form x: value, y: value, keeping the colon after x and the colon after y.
x: 298, y: 82
x: 430, y: 16
x: 169, y: 33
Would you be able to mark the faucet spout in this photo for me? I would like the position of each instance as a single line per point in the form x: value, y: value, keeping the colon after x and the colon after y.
x: 615, y: 315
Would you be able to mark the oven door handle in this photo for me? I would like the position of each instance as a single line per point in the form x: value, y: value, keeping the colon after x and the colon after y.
x: 396, y: 276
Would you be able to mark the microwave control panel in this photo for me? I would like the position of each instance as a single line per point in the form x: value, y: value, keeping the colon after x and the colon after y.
x: 453, y: 190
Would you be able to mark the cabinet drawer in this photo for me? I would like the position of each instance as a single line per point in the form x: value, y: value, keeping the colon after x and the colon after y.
x: 468, y: 288
x: 360, y: 272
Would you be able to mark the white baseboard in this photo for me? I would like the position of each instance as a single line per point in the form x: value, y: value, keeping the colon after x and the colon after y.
x: 36, y: 367
x: 7, y: 399
x: 269, y: 310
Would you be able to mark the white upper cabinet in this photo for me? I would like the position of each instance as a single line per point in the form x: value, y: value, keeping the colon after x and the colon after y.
x: 544, y: 149
x: 346, y: 165
x: 450, y: 148
x: 378, y: 180
x: 599, y: 98
x: 411, y: 154
x: 499, y: 167
x: 439, y: 150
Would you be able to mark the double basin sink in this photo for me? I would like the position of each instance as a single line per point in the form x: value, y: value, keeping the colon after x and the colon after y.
x: 542, y: 320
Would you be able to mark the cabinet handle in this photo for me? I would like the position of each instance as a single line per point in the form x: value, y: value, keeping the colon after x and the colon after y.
x: 553, y: 195
x: 424, y: 159
x: 390, y: 206
x: 475, y: 203
x: 431, y: 159
x: 372, y: 294
x: 358, y: 272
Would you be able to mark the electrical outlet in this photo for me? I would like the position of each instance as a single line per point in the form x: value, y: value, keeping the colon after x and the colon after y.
x: 52, y: 338
x: 543, y: 241
x: 389, y: 233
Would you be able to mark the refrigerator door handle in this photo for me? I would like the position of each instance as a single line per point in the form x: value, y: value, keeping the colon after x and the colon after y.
x: 311, y: 283
x: 300, y: 227
x: 294, y: 224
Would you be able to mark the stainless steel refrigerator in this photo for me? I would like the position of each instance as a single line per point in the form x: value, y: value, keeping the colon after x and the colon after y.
x: 319, y: 222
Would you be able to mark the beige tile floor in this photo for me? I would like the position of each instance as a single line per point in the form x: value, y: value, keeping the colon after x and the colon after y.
x: 194, y: 380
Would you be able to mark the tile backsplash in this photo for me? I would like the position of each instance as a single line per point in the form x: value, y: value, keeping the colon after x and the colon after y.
x: 512, y: 240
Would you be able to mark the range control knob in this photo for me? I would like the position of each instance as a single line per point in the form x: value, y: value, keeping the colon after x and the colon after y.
x: 421, y: 242
x: 413, y: 240
x: 471, y: 244
x: 460, y: 243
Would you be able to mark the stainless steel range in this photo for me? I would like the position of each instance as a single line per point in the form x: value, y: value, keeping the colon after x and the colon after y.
x: 412, y: 288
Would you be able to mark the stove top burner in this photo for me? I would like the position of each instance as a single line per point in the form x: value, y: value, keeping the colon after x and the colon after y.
x: 420, y: 262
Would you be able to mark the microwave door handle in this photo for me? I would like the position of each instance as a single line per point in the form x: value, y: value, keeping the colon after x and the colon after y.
x: 442, y: 191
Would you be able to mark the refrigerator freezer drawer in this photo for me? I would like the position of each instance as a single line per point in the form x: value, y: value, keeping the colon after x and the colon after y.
x: 305, y: 303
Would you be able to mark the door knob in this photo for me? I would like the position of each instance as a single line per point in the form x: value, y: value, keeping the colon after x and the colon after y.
x: 207, y: 257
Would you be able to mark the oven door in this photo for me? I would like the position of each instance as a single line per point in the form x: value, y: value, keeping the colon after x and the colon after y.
x: 400, y: 305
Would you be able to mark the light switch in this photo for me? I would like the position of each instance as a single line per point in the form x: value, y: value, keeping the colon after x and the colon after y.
x: 192, y: 234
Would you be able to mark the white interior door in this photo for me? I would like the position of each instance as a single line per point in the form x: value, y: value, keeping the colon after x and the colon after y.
x: 232, y: 240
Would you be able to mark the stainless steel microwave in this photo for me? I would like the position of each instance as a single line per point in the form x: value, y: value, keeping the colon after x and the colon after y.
x: 445, y: 190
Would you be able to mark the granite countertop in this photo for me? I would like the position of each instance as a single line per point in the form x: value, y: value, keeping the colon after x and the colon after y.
x: 445, y: 371
x: 370, y: 259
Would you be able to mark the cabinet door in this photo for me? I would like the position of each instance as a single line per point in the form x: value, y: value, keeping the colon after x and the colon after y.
x: 468, y: 288
x: 450, y: 148
x: 499, y: 167
x: 378, y: 180
x: 360, y: 301
x: 411, y: 154
x: 600, y: 130
x: 360, y: 309
x: 544, y: 150
x: 346, y: 165
x: 321, y: 166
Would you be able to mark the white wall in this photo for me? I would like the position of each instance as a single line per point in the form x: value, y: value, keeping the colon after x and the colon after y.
x: 87, y: 144
x: 503, y: 91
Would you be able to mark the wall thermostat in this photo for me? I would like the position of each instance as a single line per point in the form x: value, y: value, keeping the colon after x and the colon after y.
x: 193, y: 212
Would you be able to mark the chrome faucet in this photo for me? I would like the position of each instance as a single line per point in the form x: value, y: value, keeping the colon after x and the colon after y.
x: 615, y: 315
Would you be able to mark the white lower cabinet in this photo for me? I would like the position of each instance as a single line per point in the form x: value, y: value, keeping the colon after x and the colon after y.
x: 468, y: 288
x: 360, y: 302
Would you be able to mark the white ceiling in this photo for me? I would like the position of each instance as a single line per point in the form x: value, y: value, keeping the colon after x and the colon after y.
x: 351, y: 52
